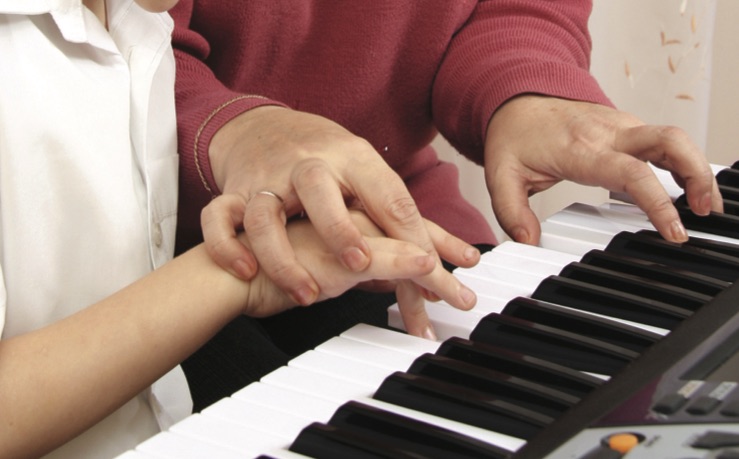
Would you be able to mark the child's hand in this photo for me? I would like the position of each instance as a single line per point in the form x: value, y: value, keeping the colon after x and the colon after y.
x: 402, y: 264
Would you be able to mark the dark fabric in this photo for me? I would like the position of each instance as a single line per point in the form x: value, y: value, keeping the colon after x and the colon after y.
x: 247, y: 348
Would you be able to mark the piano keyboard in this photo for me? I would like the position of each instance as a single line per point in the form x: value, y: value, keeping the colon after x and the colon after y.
x: 563, y: 336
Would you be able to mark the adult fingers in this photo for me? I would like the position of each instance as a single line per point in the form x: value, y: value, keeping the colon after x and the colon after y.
x: 218, y: 221
x: 386, y: 199
x: 452, y: 248
x: 671, y: 149
x: 509, y: 193
x: 323, y: 201
x: 264, y: 224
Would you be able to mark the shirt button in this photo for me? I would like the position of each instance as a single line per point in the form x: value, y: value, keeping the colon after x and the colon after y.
x: 157, y: 235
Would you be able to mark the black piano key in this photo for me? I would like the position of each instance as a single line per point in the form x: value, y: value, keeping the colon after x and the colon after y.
x: 559, y: 346
x: 728, y: 176
x: 403, y: 433
x: 728, y: 193
x: 731, y: 207
x: 609, y: 302
x: 634, y: 285
x: 729, y: 249
x: 522, y: 392
x: 722, y: 224
x: 682, y: 256
x: 510, y: 361
x: 323, y: 441
x: 656, y: 272
x: 460, y: 404
x: 604, y: 329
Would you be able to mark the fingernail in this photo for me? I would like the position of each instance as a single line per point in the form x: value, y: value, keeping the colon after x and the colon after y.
x: 354, y: 259
x: 243, y: 269
x: 678, y: 231
x: 305, y: 296
x: 471, y: 253
x: 520, y: 235
x: 429, y: 333
x: 467, y: 296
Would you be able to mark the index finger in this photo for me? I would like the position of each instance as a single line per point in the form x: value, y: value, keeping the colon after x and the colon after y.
x: 671, y: 149
x: 389, y: 204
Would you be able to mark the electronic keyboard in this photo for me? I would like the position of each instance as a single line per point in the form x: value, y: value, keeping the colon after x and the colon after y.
x: 605, y: 341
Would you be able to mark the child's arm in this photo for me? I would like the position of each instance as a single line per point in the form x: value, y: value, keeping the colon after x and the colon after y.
x: 57, y: 381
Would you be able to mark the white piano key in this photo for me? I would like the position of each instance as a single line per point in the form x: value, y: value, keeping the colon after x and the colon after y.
x: 580, y: 227
x: 133, y: 454
x: 530, y: 252
x: 286, y: 401
x: 522, y: 282
x: 446, y: 320
x: 582, y: 238
x: 511, y: 262
x: 366, y: 372
x: 510, y: 268
x: 168, y: 445
x: 320, y: 385
x: 259, y: 418
x: 228, y: 435
x: 295, y: 381
x: 602, y: 219
x: 365, y: 353
x: 498, y: 278
x: 560, y: 237
x: 488, y: 436
x: 391, y: 339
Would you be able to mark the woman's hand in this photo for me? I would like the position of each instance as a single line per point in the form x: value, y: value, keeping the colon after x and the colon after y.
x: 533, y: 142
x: 273, y: 163
x: 401, y: 264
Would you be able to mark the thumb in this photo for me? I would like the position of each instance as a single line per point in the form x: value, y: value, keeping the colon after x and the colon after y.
x: 510, y: 202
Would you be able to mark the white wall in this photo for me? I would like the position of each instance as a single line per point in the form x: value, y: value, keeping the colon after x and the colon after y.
x: 683, y: 62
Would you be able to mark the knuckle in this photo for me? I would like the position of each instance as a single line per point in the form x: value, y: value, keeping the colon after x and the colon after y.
x: 310, y: 173
x: 672, y: 134
x: 258, y: 221
x: 636, y: 171
x: 403, y: 210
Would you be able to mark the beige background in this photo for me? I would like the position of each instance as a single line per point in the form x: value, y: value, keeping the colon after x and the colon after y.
x: 671, y: 62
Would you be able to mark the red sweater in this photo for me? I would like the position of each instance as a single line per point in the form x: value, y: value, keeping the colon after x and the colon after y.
x: 393, y: 72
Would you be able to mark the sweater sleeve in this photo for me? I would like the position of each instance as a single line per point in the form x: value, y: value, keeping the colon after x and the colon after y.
x: 204, y: 104
x: 508, y: 48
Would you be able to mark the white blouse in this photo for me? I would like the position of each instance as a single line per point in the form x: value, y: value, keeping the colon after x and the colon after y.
x: 82, y: 215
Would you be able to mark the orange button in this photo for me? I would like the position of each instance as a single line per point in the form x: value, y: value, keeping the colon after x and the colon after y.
x: 622, y: 442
